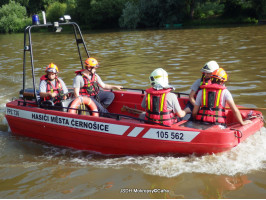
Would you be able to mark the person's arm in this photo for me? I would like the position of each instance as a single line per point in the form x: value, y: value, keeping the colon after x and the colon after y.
x: 197, y: 105
x: 77, y: 83
x: 107, y: 86
x: 192, y: 97
x: 47, y: 94
x: 43, y: 88
x: 76, y: 92
x: 195, y: 111
x: 181, y: 113
x: 173, y: 102
x: 194, y: 89
x: 236, y: 112
x: 110, y: 87
x: 64, y: 87
x: 143, y: 103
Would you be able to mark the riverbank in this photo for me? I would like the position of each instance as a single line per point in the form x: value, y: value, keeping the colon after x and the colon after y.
x: 217, y: 21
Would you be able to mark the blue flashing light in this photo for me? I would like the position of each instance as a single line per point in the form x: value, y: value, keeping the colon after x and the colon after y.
x: 35, y: 20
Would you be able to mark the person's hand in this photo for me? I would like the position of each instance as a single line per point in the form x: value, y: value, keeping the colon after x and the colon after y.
x: 53, y: 95
x: 246, y: 122
x: 118, y: 87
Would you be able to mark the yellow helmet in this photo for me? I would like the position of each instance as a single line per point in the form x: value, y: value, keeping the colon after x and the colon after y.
x: 91, y: 62
x: 219, y: 74
x: 52, y: 68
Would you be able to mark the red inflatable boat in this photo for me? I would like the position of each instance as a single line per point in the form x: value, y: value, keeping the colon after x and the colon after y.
x: 122, y: 131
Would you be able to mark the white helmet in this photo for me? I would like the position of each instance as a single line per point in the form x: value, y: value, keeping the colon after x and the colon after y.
x: 210, y: 67
x: 159, y: 79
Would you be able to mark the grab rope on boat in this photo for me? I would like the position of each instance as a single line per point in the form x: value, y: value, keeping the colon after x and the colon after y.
x: 251, y: 116
x: 238, y: 134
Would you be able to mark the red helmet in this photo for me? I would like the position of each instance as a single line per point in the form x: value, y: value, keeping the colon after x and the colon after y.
x: 52, y: 68
x: 91, y: 62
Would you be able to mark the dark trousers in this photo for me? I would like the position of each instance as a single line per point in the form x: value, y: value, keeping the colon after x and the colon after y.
x: 105, y: 98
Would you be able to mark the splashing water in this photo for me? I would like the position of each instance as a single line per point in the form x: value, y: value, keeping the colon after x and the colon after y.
x: 246, y: 157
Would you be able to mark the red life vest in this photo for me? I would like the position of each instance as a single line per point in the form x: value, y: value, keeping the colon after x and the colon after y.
x: 91, y: 87
x: 156, y: 107
x: 211, y: 109
x: 203, y: 82
x: 51, y: 88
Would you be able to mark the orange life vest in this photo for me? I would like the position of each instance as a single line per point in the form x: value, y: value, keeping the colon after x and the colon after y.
x: 211, y: 109
x: 51, y: 88
x: 156, y: 107
x: 91, y: 87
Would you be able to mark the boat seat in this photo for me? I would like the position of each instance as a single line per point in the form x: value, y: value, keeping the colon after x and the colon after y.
x: 61, y: 106
x: 28, y: 94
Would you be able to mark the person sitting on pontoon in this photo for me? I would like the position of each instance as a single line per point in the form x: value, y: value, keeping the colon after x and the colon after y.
x: 211, y: 100
x: 88, y: 83
x: 160, y: 104
x: 207, y: 70
x: 51, y: 87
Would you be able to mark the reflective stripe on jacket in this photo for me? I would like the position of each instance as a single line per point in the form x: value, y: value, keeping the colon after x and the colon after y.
x: 211, y: 109
x: 203, y: 82
x: 156, y: 107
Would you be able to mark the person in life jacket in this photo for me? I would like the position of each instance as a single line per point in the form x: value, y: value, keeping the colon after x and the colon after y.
x: 88, y: 83
x: 211, y: 100
x: 207, y: 70
x: 51, y: 87
x: 161, y: 105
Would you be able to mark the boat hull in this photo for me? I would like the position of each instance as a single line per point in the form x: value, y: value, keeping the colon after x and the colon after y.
x: 122, y: 136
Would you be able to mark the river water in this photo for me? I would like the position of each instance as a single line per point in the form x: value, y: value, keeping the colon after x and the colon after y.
x: 32, y: 169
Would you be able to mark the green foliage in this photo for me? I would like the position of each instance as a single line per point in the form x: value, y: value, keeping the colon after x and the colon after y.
x: 237, y: 8
x: 13, y: 17
x: 130, y: 16
x: 150, y: 13
x: 24, y: 3
x: 55, y: 11
x: 15, y: 14
x: 220, y: 21
x: 160, y: 12
x: 36, y: 6
x: 3, y: 2
x: 81, y: 11
x: 259, y: 8
x: 208, y: 9
x: 71, y: 7
x: 105, y: 13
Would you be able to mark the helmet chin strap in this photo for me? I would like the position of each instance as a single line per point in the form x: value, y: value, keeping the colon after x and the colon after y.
x: 89, y: 70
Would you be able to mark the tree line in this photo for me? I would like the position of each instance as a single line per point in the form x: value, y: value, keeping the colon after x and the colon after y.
x: 131, y: 14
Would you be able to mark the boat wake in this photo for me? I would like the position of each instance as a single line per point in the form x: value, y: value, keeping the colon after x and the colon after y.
x: 245, y: 158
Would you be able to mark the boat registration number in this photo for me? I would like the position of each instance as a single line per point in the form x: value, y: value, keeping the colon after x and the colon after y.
x: 171, y: 135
